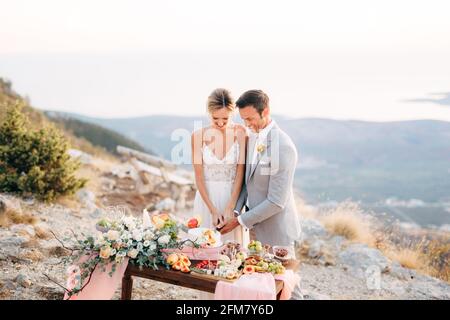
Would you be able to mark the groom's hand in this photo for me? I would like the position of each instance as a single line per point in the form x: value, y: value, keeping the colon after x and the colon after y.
x: 229, y: 226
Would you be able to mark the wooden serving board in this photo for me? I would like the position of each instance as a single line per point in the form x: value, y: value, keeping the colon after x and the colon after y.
x: 211, y: 277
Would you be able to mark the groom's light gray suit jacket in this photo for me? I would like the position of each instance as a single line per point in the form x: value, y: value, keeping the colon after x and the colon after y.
x: 269, y: 190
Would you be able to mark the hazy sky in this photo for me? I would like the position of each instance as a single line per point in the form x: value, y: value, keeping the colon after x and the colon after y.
x: 333, y: 59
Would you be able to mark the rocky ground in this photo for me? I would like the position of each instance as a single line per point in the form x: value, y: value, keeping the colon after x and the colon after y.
x: 332, y: 267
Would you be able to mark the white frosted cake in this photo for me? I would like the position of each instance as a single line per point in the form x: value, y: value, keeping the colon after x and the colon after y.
x: 205, y: 237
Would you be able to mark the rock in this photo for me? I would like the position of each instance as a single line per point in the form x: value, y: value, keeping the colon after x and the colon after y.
x: 426, y: 287
x: 87, y: 198
x: 24, y: 229
x: 125, y: 170
x: 9, y: 247
x: 171, y: 292
x: 30, y: 200
x: 9, y: 285
x: 312, y: 229
x: 107, y: 184
x: 359, y: 257
x: 83, y: 157
x: 327, y: 260
x: 53, y: 261
x: 14, y: 241
x: 308, y: 295
x: 96, y: 214
x: 336, y: 243
x: 3, y: 205
x: 395, y: 286
x: 166, y: 204
x: 7, y: 204
x: 23, y: 280
x: 402, y: 273
x: 315, y: 249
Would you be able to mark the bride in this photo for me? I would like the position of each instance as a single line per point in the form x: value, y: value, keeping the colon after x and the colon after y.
x: 218, y: 157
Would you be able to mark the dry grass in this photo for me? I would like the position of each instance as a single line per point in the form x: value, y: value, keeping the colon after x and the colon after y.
x: 438, y: 254
x: 4, y: 293
x: 32, y: 254
x: 42, y: 233
x: 349, y: 221
x: 12, y: 216
x: 428, y: 256
x: 408, y: 258
x: 68, y: 201
x: 304, y: 210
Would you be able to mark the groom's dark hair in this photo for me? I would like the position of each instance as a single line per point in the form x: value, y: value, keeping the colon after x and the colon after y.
x: 255, y: 98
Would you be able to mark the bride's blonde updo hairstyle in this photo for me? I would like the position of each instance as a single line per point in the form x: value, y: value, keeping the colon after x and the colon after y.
x: 220, y: 98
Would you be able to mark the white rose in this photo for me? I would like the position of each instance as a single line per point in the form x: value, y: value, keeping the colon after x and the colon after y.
x: 146, y: 243
x: 149, y: 236
x: 100, y: 241
x: 113, y: 252
x: 153, y: 247
x: 129, y: 222
x: 133, y: 253
x: 113, y: 235
x: 164, y: 239
x: 137, y: 236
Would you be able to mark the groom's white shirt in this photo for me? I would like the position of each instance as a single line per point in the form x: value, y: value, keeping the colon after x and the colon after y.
x: 257, y: 139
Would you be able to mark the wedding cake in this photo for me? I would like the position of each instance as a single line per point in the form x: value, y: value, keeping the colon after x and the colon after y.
x: 207, y: 238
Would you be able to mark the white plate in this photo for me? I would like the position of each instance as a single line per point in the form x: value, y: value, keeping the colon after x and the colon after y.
x: 288, y: 257
x: 290, y: 252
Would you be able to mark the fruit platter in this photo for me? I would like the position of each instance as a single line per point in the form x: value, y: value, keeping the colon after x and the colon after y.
x: 210, y: 258
x: 233, y: 261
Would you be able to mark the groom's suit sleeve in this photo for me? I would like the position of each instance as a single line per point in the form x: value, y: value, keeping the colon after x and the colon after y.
x: 240, y: 203
x: 280, y: 187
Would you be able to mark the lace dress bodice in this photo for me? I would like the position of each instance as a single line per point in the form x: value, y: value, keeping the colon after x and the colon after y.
x: 220, y: 170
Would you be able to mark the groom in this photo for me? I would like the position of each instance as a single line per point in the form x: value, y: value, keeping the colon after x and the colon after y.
x: 270, y: 166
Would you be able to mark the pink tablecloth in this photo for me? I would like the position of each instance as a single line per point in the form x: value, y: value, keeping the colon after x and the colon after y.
x: 101, y: 286
x: 197, y: 254
x: 256, y: 286
x: 290, y: 279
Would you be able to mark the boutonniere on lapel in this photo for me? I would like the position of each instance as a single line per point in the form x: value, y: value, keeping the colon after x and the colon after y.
x: 260, y: 148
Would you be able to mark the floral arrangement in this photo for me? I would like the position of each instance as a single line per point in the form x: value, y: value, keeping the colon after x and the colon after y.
x: 139, y: 240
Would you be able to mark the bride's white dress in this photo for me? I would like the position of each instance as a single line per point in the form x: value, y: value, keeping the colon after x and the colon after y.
x: 219, y: 175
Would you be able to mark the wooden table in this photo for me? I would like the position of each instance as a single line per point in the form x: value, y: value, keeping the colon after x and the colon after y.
x: 179, y: 278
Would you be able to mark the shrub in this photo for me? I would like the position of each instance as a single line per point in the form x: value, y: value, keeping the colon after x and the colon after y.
x: 35, y: 162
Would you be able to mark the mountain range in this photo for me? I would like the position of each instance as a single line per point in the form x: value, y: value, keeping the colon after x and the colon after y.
x: 400, y: 167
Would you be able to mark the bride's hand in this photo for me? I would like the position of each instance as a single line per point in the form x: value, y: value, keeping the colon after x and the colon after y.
x: 229, y: 212
x: 216, y: 217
